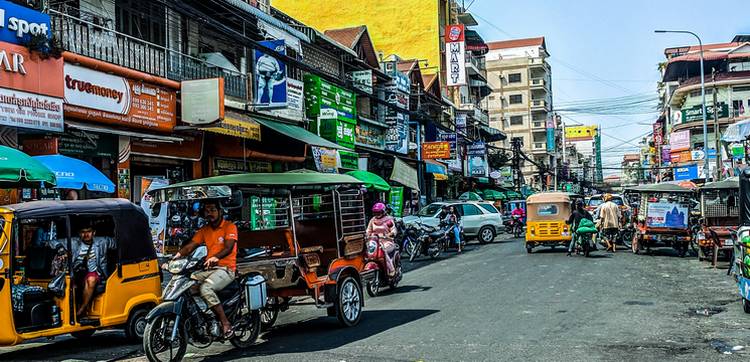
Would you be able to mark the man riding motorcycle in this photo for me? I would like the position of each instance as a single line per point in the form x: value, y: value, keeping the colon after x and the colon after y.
x: 220, y: 238
x: 384, y: 228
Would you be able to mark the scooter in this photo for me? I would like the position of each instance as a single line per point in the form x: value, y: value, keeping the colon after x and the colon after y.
x: 376, y: 261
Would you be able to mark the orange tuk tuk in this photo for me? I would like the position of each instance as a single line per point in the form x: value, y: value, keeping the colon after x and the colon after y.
x: 720, y: 210
x: 663, y: 217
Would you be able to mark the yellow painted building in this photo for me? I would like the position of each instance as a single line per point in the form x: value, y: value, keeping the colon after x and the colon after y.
x: 410, y: 29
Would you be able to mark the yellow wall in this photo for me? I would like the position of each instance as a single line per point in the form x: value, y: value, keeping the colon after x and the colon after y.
x: 408, y: 28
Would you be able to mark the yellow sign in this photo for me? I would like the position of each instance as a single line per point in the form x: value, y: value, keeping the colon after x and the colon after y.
x: 242, y: 127
x: 580, y: 133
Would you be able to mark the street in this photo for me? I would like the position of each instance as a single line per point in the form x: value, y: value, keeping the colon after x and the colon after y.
x: 496, y: 302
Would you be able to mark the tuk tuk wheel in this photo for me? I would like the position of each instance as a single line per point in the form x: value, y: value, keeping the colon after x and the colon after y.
x: 136, y: 325
x: 746, y: 305
x: 529, y: 248
x: 83, y: 334
x: 349, y: 302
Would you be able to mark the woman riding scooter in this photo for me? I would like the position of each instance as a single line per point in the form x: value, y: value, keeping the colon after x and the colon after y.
x: 383, y: 227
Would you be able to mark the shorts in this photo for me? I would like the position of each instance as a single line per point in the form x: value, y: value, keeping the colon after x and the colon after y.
x: 85, y: 276
x: 610, y: 232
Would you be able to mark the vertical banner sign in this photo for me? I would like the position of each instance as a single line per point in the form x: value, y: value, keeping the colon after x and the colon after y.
x: 658, y: 136
x: 396, y: 200
x: 455, y: 56
x: 477, y: 159
x: 550, y: 134
x: 270, y: 76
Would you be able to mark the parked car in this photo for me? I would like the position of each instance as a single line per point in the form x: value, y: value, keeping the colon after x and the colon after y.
x: 480, y: 219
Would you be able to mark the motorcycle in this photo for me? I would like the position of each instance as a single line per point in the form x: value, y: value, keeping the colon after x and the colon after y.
x: 184, y: 318
x: 375, y: 257
x: 432, y: 241
x: 515, y: 226
x: 406, y: 236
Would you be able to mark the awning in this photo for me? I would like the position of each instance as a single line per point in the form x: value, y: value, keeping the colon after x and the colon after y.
x: 237, y: 125
x: 440, y: 177
x: 107, y: 130
x: 72, y: 173
x: 435, y: 167
x: 299, y: 134
x: 371, y: 180
x: 493, y: 134
x: 405, y: 174
x: 737, y: 132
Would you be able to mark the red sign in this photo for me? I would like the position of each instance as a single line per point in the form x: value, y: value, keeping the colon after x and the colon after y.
x: 436, y: 150
x: 40, y: 146
x: 658, y: 134
x: 26, y: 71
x: 454, y: 33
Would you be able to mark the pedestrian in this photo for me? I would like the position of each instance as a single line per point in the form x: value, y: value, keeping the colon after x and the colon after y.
x: 609, y: 221
x: 579, y: 213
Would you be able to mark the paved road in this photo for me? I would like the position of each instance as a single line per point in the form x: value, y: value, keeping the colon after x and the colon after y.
x: 495, y: 302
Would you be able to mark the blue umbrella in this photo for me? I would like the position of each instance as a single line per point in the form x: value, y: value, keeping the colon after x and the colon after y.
x: 73, y: 173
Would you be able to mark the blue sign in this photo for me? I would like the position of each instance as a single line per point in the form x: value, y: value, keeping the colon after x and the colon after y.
x: 448, y: 137
x: 711, y: 153
x: 19, y: 23
x: 687, y: 172
x: 270, y: 76
x: 550, y: 139
x: 401, y: 81
x: 434, y: 168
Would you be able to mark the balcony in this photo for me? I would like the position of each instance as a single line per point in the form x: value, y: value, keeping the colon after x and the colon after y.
x: 539, y: 105
x: 475, y: 65
x: 95, y: 41
x: 538, y: 84
x: 538, y: 126
x: 539, y: 147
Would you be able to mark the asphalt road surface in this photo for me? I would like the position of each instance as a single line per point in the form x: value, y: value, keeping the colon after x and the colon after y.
x: 496, y: 302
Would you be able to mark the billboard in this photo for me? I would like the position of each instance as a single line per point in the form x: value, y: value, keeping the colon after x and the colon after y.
x: 666, y: 215
x: 580, y: 133
x: 270, y: 76
x: 436, y: 150
x: 679, y: 141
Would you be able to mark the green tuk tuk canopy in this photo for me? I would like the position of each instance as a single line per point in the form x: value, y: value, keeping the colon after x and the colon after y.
x: 370, y: 180
x: 18, y: 169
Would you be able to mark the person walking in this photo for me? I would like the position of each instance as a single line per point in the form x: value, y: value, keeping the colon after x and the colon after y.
x: 609, y: 221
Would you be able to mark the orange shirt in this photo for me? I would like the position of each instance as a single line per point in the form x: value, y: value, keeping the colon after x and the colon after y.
x: 214, y: 240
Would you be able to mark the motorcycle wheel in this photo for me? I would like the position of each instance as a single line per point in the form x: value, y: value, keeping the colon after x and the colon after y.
x: 246, y: 337
x: 154, y: 340
x: 399, y: 274
x: 268, y: 316
x: 627, y: 238
x: 517, y: 231
x: 746, y: 305
x: 373, y: 286
x: 414, y: 248
x: 435, y: 253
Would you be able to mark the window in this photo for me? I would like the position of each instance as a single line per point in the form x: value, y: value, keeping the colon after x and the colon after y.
x: 516, y: 99
x: 739, y: 66
x: 141, y: 19
x: 470, y: 210
x: 547, y: 210
x: 516, y: 120
x: 430, y: 210
x: 514, y: 78
x: 489, y: 208
x: 738, y: 107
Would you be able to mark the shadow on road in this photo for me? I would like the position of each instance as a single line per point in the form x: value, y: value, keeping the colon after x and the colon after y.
x: 101, y: 346
x: 322, y: 334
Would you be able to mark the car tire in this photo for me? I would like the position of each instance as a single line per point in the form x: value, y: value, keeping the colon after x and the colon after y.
x: 529, y: 248
x: 486, y: 234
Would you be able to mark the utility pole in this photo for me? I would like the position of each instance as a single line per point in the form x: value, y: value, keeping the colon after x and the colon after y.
x: 516, y: 145
x: 716, y: 129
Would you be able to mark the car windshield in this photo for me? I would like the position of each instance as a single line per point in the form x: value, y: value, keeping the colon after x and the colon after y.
x: 490, y: 208
x: 430, y: 210
x: 595, y: 202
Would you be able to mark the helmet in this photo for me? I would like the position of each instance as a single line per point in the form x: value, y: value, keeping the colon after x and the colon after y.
x: 579, y: 203
x: 378, y: 207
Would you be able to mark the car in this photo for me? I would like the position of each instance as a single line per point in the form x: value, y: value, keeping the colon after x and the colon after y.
x: 593, y: 202
x: 480, y: 219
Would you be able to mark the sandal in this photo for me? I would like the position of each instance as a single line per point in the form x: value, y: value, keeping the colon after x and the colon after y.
x: 229, y: 334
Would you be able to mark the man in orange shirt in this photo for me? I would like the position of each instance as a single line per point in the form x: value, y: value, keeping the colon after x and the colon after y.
x: 220, y: 238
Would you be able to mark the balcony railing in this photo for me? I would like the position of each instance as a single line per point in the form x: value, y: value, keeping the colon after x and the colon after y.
x: 98, y: 42
x: 538, y: 125
x: 538, y: 103
x: 539, y: 146
x: 538, y: 83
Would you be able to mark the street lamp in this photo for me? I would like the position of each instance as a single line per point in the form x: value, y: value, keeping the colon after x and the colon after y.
x: 703, y: 97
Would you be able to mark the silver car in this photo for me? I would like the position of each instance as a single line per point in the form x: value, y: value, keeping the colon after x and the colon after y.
x: 478, y: 218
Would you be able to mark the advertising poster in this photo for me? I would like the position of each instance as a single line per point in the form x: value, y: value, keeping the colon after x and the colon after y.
x: 325, y: 159
x: 679, y: 141
x: 687, y: 172
x: 362, y: 80
x: 396, y: 136
x: 158, y: 224
x: 436, y: 150
x: 270, y: 76
x: 666, y: 214
x: 396, y: 200
x: 295, y: 100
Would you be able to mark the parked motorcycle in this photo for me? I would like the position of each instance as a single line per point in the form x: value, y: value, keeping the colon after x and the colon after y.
x: 406, y: 236
x: 376, y: 261
x: 184, y: 318
x: 432, y: 241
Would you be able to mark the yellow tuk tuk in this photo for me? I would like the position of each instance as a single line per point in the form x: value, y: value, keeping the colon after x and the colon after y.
x: 546, y: 219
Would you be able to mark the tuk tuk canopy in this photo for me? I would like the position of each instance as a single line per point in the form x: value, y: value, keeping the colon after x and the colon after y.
x: 660, y: 187
x: 730, y: 183
x: 548, y: 206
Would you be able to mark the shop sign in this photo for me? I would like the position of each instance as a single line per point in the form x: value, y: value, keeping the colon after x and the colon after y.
x: 325, y: 159
x: 259, y: 167
x: 695, y: 113
x: 21, y: 109
x: 460, y: 122
x: 202, y: 101
x: 397, y: 133
x: 404, y: 174
x: 697, y: 155
x: 22, y: 70
x: 338, y: 131
x: 270, y: 76
x: 687, y: 172
x: 400, y: 100
x: 738, y: 150
x: 79, y: 143
x: 19, y: 23
x: 455, y: 57
x: 396, y: 200
x: 370, y: 135
x: 437, y: 168
x: 550, y: 138
x: 295, y: 100
x: 191, y: 148
x: 40, y: 146
x: 348, y: 160
x: 682, y: 156
x: 476, y: 149
x: 679, y: 141
x: 106, y: 98
x: 580, y: 133
x: 362, y: 80
x: 665, y: 153
x: 436, y: 150
x: 237, y: 125
x: 658, y: 140
x: 477, y: 166
x: 229, y: 166
x: 450, y: 138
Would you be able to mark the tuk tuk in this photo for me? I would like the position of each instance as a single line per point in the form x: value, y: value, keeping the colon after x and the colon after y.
x: 719, y: 206
x: 741, y: 255
x: 303, y: 232
x: 547, y: 214
x: 663, y: 216
x: 129, y: 287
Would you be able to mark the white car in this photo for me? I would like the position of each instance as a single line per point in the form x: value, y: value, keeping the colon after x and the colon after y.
x: 479, y: 219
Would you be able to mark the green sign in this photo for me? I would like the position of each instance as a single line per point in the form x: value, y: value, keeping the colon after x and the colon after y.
x: 695, y: 113
x: 323, y: 97
x: 337, y: 131
x: 396, y: 199
x: 262, y: 213
x: 349, y: 160
x: 738, y: 150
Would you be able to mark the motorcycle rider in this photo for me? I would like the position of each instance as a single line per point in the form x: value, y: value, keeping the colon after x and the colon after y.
x: 576, y: 216
x: 383, y: 226
x: 220, y: 238
x: 518, y: 214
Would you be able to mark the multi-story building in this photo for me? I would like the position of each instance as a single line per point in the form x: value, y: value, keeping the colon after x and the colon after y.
x: 521, y: 100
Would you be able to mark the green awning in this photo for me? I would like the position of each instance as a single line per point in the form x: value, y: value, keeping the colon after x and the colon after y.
x: 302, y: 178
x: 371, y: 180
x: 494, y: 195
x: 299, y: 134
x: 18, y: 169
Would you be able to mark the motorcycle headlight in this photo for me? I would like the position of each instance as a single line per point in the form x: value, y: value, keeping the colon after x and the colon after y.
x: 371, y: 247
x: 177, y: 266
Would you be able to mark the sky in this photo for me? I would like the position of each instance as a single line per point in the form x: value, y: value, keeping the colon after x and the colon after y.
x: 606, y: 48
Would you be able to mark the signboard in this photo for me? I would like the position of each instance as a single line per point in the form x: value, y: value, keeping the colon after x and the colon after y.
x: 24, y: 71
x: 397, y: 133
x: 401, y: 82
x: 666, y: 214
x: 550, y: 139
x: 665, y: 154
x: 106, y: 98
x: 27, y: 110
x: 683, y: 156
x: 348, y: 160
x: 476, y: 149
x: 404, y: 174
x: 158, y: 224
x: 436, y: 150
x: 362, y: 80
x: 697, y: 155
x: 695, y: 113
x: 450, y: 138
x: 580, y: 133
x: 455, y: 55
x: 191, y: 148
x: 202, y: 101
x: 295, y: 100
x: 77, y: 143
x: 477, y: 166
x: 687, y: 172
x: 396, y: 200
x: 270, y: 76
x: 325, y: 159
x: 237, y: 125
x: 658, y: 134
x: 18, y: 23
x: 370, y: 135
x: 679, y: 141
x: 400, y: 100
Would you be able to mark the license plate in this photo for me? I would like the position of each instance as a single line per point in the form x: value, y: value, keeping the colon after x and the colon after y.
x: 728, y: 242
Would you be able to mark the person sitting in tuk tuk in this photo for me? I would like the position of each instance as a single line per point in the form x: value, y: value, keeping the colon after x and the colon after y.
x: 220, y: 238
x: 609, y: 219
x: 384, y: 227
x: 578, y: 214
x: 89, y: 253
